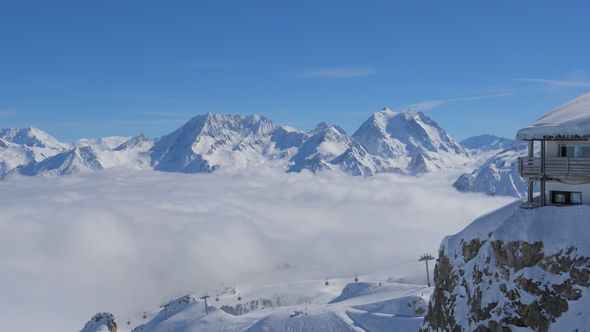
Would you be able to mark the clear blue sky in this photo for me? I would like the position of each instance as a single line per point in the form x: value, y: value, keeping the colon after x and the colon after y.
x: 100, y: 68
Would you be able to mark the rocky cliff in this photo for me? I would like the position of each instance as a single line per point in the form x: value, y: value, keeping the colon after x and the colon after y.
x: 515, y: 269
x: 102, y: 321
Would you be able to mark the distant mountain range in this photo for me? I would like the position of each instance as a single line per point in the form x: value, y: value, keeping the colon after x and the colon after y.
x: 388, y: 142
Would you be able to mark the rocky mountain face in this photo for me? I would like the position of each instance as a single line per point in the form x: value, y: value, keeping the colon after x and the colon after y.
x: 407, y: 143
x: 512, y: 269
x: 102, y: 321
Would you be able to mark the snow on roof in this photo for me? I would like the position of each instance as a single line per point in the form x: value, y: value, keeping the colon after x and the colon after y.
x: 571, y: 120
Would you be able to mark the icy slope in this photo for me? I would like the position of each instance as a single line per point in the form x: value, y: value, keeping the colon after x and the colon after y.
x: 515, y: 269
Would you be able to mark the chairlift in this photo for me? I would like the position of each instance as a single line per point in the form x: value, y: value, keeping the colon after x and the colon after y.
x: 217, y: 297
x: 129, y: 322
x: 327, y: 283
x: 239, y: 297
x: 144, y: 315
x: 356, y: 278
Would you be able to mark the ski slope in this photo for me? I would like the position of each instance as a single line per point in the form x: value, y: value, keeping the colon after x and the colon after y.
x: 340, y: 306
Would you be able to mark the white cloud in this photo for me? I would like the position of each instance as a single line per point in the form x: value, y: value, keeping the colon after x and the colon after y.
x: 337, y: 73
x: 426, y: 105
x: 121, y: 241
x: 554, y: 82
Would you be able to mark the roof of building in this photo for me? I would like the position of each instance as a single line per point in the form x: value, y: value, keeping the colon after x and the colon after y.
x: 571, y: 120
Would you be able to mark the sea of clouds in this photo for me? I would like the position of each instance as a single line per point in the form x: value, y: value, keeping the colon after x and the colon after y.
x: 120, y: 240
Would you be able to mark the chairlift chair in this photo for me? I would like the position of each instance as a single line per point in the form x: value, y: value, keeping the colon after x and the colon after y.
x: 239, y: 297
x: 356, y: 278
x: 327, y: 283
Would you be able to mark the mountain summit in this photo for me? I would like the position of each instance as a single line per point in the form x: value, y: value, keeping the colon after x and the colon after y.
x: 410, y: 135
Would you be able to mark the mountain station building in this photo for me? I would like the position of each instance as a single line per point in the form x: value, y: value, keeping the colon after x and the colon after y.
x: 562, y: 165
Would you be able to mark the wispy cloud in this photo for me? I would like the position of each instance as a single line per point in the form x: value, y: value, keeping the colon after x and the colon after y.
x: 164, y: 113
x: 426, y: 105
x: 337, y: 72
x: 554, y: 82
x: 203, y: 65
x: 8, y: 113
x: 144, y: 99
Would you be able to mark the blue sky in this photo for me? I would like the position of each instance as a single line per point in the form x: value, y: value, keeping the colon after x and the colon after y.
x: 100, y: 68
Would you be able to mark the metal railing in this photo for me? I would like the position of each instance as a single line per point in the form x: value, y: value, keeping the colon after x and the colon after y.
x: 560, y: 166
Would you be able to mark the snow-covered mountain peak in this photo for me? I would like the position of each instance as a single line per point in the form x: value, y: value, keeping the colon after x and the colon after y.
x: 206, y: 142
x: 104, y: 143
x: 405, y: 135
x: 31, y: 137
x: 411, y: 113
x: 320, y: 127
x: 386, y: 142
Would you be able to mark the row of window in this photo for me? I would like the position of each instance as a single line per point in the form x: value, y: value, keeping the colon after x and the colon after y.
x: 566, y: 198
x: 574, y: 150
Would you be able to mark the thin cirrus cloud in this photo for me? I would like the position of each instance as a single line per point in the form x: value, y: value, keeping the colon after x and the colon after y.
x: 205, y: 65
x: 426, y: 105
x: 344, y: 72
x: 554, y: 82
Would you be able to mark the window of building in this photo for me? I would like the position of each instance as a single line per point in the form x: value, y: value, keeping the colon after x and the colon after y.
x: 566, y: 198
x: 574, y: 150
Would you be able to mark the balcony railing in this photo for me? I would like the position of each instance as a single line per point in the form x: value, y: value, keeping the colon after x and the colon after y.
x: 554, y: 167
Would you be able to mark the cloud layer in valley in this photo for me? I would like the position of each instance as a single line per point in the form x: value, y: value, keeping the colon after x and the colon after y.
x: 116, y: 240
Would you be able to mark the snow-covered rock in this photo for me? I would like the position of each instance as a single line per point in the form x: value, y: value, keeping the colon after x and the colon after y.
x: 514, y: 269
x: 101, y: 322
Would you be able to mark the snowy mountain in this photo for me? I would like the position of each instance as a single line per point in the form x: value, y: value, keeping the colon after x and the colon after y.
x: 132, y: 153
x: 407, y: 142
x: 498, y: 175
x: 19, y: 147
x: 410, y: 140
x: 208, y: 142
x: 485, y: 143
x: 514, y: 269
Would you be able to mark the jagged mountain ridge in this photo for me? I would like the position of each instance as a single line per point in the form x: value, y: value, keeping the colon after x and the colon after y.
x: 401, y: 142
x: 411, y: 141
